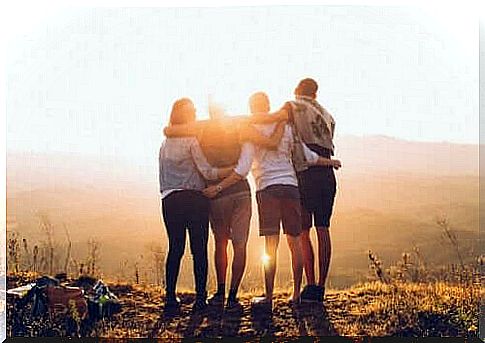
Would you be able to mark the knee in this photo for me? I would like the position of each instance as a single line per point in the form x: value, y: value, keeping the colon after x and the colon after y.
x: 240, y: 247
x: 239, y: 250
x: 199, y: 251
x: 221, y: 243
x: 175, y: 252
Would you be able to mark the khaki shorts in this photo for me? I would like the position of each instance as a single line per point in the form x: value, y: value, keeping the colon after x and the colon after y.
x: 230, y: 216
x: 279, y: 204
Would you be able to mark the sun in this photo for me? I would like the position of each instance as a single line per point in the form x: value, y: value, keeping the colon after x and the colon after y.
x: 265, y: 258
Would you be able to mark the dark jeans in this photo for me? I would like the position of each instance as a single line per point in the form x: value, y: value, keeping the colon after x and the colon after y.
x: 182, y: 211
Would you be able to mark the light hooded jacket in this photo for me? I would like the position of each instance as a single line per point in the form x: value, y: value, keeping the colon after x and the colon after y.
x: 313, y: 125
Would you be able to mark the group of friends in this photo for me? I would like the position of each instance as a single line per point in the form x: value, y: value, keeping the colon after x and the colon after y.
x: 203, y: 179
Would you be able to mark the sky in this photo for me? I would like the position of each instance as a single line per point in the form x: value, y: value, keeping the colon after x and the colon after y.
x: 101, y: 81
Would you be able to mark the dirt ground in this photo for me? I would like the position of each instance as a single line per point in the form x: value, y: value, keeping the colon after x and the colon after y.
x: 367, y: 310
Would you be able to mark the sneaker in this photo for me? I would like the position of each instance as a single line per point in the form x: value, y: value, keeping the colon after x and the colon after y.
x: 217, y: 300
x: 199, y: 305
x: 233, y: 304
x: 172, y: 302
x: 313, y: 293
x: 309, y: 294
x: 319, y: 293
x: 262, y: 302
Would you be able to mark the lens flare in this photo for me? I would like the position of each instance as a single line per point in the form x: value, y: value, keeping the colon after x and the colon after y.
x: 265, y: 258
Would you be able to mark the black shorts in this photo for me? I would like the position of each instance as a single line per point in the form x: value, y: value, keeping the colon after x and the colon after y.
x: 318, y: 187
x: 279, y: 204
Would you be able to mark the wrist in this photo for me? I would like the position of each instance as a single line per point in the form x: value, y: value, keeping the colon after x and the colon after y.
x: 218, y: 188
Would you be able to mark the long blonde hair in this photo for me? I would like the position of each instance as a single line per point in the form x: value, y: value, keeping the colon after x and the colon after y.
x: 179, y: 115
x: 259, y: 102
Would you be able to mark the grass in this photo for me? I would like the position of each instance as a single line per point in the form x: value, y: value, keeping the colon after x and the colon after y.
x: 369, y: 309
x: 406, y: 309
x: 406, y: 299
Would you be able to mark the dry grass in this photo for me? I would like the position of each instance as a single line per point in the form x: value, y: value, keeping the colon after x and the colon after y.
x: 370, y: 309
x: 406, y: 309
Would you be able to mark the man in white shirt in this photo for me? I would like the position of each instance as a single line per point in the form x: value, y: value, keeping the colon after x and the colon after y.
x: 278, y: 198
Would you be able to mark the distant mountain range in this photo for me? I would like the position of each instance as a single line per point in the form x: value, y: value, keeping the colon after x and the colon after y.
x: 359, y: 155
x: 390, y: 193
x: 382, y: 154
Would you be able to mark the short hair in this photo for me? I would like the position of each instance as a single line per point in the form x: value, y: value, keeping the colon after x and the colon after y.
x: 259, y: 102
x: 178, y: 115
x: 308, y: 87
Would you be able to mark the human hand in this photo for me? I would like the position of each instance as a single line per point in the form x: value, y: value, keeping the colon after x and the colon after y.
x: 211, y: 192
x: 335, y: 164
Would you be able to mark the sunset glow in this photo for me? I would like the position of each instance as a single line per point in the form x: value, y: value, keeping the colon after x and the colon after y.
x: 265, y: 259
x: 101, y: 81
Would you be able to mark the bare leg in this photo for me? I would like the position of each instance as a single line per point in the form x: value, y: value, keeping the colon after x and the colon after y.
x: 324, y: 253
x: 271, y: 248
x: 294, y: 243
x: 220, y: 257
x: 308, y: 257
x: 238, y: 264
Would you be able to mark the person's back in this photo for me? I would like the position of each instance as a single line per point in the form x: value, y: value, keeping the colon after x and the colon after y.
x: 220, y: 143
x: 178, y: 166
x: 274, y: 166
x: 222, y: 148
x: 315, y: 125
x: 184, y: 207
x: 278, y: 200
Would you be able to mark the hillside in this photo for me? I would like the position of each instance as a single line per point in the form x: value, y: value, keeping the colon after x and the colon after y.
x: 388, y: 155
x: 384, y: 203
x: 371, y: 309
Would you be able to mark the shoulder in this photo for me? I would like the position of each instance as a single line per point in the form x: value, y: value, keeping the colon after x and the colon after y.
x: 328, y: 114
x: 180, y: 141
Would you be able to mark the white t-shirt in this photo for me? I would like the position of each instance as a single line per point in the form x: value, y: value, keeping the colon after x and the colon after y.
x: 274, y: 167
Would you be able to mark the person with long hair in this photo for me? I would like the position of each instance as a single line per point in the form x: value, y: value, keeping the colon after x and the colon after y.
x: 182, y: 169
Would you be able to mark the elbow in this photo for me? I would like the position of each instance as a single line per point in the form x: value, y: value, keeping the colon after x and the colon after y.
x: 238, y: 176
x: 210, y: 174
x: 272, y: 145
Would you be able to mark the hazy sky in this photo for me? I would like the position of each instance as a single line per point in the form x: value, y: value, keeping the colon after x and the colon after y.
x: 102, y: 81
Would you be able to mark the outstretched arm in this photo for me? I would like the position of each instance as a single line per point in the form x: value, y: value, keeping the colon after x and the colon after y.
x: 265, y: 118
x: 184, y: 130
x: 251, y: 134
x: 328, y: 162
x: 315, y: 159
